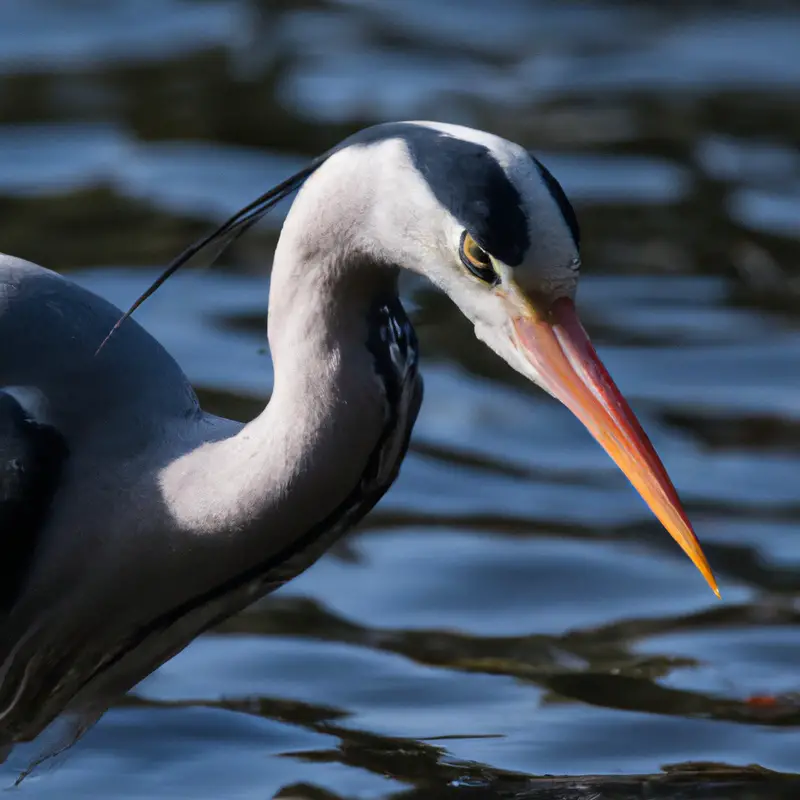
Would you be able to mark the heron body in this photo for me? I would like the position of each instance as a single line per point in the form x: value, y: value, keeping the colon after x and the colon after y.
x: 131, y: 520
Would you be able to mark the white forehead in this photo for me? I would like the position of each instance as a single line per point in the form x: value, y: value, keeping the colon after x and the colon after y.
x: 501, y: 147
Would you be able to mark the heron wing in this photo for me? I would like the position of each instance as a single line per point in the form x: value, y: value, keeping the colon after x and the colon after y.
x: 32, y: 455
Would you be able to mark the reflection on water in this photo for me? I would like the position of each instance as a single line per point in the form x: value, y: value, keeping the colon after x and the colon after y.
x: 510, y: 610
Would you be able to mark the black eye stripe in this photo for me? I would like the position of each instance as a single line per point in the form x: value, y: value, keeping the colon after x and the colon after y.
x: 486, y: 202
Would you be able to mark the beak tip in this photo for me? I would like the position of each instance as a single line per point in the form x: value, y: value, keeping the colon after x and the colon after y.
x: 687, y: 539
x: 710, y: 579
x: 699, y: 560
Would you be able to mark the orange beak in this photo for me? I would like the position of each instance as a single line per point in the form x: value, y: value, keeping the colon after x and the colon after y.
x: 555, y: 344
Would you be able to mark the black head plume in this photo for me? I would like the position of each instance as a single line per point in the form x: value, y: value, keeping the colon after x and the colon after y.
x: 218, y: 240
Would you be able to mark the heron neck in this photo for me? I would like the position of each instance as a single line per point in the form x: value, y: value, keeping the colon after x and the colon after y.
x: 282, y: 473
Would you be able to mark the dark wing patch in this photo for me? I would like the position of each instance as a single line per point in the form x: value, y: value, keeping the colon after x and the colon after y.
x: 31, y: 459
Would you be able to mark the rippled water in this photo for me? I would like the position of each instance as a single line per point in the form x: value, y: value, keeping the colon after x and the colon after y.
x: 510, y: 610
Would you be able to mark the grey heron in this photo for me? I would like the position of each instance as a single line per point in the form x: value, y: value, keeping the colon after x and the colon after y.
x: 131, y: 520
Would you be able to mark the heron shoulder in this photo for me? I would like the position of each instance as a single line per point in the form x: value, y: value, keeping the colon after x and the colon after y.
x: 51, y: 328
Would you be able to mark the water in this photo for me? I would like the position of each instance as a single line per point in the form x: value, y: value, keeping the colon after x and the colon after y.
x: 510, y: 610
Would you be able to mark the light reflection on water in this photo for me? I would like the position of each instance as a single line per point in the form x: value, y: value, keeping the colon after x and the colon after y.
x: 511, y: 594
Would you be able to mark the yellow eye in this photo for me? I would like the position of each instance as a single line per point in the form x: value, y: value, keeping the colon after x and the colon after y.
x: 477, y: 260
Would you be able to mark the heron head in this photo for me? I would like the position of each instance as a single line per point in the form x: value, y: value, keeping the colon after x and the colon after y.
x: 490, y: 225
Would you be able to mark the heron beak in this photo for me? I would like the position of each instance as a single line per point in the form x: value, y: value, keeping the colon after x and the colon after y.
x: 550, y: 337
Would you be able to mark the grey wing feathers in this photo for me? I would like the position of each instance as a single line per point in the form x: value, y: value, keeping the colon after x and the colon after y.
x: 31, y: 458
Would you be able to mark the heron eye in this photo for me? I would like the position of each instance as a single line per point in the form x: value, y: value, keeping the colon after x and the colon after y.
x: 477, y: 260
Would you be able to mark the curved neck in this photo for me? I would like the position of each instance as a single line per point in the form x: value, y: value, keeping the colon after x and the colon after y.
x: 258, y: 492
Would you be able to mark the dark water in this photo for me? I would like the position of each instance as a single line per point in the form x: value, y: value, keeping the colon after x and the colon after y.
x: 511, y: 610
